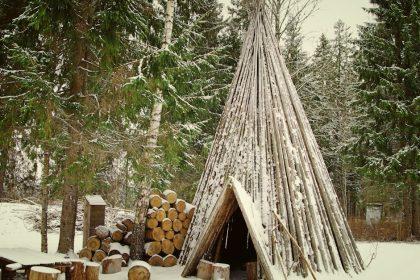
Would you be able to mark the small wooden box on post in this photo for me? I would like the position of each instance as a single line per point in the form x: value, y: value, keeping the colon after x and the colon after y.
x: 94, y: 215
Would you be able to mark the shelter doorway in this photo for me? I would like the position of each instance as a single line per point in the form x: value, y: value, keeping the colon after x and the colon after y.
x: 234, y: 246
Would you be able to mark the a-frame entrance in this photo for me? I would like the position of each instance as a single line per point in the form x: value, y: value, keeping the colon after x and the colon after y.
x: 233, y: 202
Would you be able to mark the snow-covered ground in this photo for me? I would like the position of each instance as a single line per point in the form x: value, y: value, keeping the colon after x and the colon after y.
x: 393, y: 260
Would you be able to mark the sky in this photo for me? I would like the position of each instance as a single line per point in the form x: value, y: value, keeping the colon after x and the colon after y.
x: 328, y: 13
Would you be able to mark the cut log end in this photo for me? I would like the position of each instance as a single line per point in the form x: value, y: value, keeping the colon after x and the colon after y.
x: 93, y: 243
x: 169, y: 260
x: 168, y: 246
x: 139, y: 270
x: 156, y: 260
x: 85, y: 253
x: 170, y: 196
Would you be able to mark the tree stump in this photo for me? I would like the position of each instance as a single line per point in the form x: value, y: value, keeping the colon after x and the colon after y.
x: 139, y: 270
x: 221, y: 271
x: 77, y: 270
x: 43, y: 273
x: 205, y: 270
x: 92, y: 271
x: 111, y: 264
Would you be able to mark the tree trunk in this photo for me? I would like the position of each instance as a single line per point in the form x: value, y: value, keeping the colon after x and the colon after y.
x: 44, y: 203
x: 414, y: 213
x: 137, y: 244
x: 3, y: 164
x: 68, y: 219
x: 11, y: 186
x: 77, y: 85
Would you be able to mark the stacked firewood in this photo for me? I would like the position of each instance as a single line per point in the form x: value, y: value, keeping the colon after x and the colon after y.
x: 168, y: 219
x: 109, y: 241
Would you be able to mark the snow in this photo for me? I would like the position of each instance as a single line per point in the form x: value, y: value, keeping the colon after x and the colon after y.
x: 95, y: 200
x: 44, y: 269
x: 26, y: 256
x: 393, y: 259
x: 17, y: 232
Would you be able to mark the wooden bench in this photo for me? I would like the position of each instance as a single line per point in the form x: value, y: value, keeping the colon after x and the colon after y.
x: 14, y: 259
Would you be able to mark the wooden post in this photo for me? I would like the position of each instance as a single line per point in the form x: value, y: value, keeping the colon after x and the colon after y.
x: 94, y: 215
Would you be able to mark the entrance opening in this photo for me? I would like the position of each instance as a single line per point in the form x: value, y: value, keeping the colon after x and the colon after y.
x: 235, y: 247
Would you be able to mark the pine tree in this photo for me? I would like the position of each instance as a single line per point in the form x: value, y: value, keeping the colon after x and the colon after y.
x: 386, y: 149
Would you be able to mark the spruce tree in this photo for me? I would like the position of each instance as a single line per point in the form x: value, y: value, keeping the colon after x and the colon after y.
x: 386, y: 149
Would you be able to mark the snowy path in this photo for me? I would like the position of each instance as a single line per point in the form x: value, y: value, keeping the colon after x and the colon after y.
x: 393, y: 260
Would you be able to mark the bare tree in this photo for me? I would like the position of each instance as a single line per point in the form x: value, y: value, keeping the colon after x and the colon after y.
x: 284, y: 12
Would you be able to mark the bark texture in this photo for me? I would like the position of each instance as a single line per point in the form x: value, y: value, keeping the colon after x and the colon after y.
x: 44, y: 203
x: 77, y: 85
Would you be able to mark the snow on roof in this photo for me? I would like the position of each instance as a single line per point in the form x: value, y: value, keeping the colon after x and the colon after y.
x: 95, y: 200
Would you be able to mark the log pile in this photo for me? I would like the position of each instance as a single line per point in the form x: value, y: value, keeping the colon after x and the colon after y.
x: 109, y: 241
x: 168, y: 220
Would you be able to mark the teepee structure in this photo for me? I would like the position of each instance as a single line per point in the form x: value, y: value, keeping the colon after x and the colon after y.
x: 264, y: 141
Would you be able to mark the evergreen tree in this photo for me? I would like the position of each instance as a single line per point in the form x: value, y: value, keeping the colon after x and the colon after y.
x: 386, y: 149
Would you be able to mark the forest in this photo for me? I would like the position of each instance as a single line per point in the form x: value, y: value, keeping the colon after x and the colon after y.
x: 118, y: 97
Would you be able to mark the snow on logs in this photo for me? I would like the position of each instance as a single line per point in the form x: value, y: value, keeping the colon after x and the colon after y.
x: 112, y: 264
x: 139, y: 270
x: 43, y: 273
x: 167, y: 222
x: 210, y: 270
x: 109, y: 241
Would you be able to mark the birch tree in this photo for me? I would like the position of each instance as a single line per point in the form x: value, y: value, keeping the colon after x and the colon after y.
x: 137, y: 245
